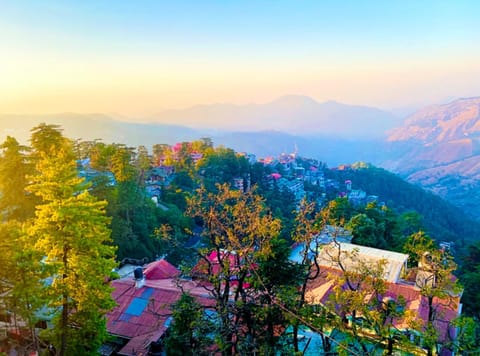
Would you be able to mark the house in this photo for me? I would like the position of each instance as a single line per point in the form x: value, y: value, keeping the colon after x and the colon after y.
x: 325, y: 237
x: 336, y: 258
x: 211, y: 265
x: 349, y: 254
x: 144, y: 307
x: 357, y: 196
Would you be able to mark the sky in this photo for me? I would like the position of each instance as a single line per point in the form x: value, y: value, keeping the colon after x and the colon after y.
x: 136, y: 58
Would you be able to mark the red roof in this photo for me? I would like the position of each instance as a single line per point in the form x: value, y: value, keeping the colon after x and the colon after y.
x: 143, y: 314
x: 446, y: 310
x: 161, y: 270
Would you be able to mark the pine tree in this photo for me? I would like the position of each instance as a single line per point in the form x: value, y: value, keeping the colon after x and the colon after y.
x: 14, y: 171
x: 71, y: 231
x: 21, y: 273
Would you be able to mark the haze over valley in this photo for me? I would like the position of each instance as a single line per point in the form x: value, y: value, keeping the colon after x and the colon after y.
x: 437, y: 147
x: 239, y: 177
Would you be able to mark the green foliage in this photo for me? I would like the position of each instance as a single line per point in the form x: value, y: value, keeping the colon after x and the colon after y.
x: 364, y: 231
x: 240, y: 231
x: 133, y: 214
x: 470, y: 278
x: 71, y: 230
x: 250, y: 231
x: 376, y: 227
x: 282, y: 205
x: 258, y: 176
x: 339, y: 211
x: 222, y: 165
x: 441, y: 219
x: 466, y: 338
x: 416, y: 245
x: 436, y: 283
x: 410, y: 222
x: 173, y: 233
x: 190, y: 329
x: 14, y: 172
x: 361, y: 310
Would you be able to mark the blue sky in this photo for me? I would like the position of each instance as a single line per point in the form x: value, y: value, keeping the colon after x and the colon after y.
x: 138, y: 57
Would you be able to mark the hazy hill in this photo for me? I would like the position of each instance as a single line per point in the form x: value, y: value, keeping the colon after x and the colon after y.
x: 333, y: 151
x: 294, y: 114
x: 439, y: 123
x: 439, y: 148
x: 94, y: 126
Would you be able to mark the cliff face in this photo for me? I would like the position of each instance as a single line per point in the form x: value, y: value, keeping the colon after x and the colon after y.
x: 438, y: 148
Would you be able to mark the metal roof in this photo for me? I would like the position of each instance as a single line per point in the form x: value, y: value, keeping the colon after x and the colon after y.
x: 351, y: 256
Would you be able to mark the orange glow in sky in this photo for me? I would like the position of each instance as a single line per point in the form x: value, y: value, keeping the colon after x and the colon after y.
x: 136, y: 60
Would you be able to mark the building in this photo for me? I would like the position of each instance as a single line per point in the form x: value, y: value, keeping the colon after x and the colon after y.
x: 144, y: 307
x: 401, y: 284
x: 349, y: 255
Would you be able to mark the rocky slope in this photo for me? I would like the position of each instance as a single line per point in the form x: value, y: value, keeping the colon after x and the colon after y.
x: 439, y: 148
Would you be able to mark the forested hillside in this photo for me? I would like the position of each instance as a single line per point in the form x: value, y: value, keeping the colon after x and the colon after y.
x: 440, y: 218
x: 70, y: 208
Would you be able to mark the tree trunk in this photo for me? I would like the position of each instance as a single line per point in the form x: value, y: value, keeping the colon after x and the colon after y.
x: 63, y: 340
x: 64, y: 324
x: 430, y: 308
x: 390, y: 346
x: 295, y: 336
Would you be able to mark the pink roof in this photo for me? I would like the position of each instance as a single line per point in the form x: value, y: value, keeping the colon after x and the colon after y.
x: 177, y: 147
x: 161, y: 270
x: 202, y: 266
x: 276, y: 176
x: 201, y: 269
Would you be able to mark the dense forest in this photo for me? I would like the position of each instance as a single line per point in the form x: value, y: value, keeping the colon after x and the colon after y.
x: 73, y: 210
x: 440, y: 219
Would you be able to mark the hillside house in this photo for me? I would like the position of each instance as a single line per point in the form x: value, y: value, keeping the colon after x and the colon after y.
x: 143, y: 313
x: 335, y: 258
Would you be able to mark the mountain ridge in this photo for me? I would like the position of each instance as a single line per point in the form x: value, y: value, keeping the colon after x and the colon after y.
x: 295, y: 114
x: 444, y: 151
x: 437, y: 147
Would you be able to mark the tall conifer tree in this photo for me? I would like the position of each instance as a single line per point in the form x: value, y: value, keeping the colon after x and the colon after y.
x: 71, y: 230
x: 14, y: 171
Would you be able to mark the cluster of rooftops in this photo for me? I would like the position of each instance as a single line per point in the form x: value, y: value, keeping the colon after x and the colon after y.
x: 145, y: 295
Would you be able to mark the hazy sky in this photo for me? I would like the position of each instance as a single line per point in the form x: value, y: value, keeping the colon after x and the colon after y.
x: 139, y: 57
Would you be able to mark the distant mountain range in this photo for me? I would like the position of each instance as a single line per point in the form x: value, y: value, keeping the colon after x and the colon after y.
x: 293, y: 114
x: 437, y: 147
x: 334, y: 132
x: 97, y: 126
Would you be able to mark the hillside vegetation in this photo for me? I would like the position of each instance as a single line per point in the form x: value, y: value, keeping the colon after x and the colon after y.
x: 440, y: 218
